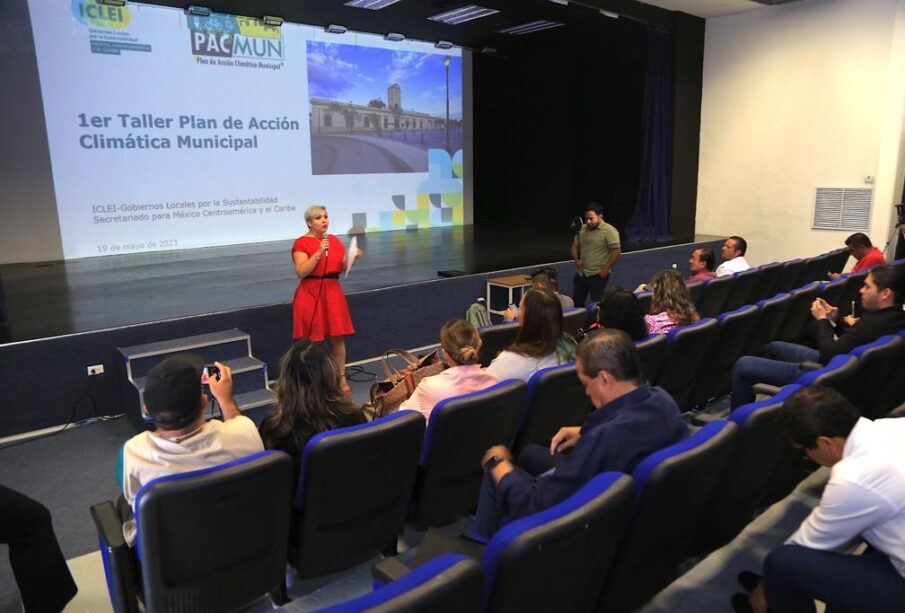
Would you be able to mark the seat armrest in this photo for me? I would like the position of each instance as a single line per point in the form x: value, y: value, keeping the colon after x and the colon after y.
x: 389, y: 570
x: 809, y: 366
x: 762, y: 389
x: 702, y: 419
x: 117, y: 556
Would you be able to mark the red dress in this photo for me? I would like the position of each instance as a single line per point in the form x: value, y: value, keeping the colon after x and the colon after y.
x: 319, y: 308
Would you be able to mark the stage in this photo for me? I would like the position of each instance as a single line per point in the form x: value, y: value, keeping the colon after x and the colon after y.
x: 57, y: 298
x: 66, y: 316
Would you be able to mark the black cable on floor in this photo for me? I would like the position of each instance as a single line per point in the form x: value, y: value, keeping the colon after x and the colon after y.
x: 358, y: 374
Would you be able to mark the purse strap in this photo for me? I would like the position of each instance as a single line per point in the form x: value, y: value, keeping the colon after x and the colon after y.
x: 390, y: 370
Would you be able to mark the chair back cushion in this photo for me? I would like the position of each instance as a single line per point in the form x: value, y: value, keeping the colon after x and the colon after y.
x: 556, y: 398
x: 355, y: 485
x: 215, y: 539
x: 461, y: 429
x: 557, y: 559
x: 494, y: 339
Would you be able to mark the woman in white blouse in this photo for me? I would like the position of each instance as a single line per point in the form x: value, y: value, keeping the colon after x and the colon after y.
x: 540, y: 341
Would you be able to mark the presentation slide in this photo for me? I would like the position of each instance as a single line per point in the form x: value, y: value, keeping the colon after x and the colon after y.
x: 171, y: 131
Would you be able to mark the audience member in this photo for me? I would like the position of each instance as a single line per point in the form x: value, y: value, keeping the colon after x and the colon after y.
x: 183, y: 440
x: 881, y: 300
x: 543, y: 278
x: 540, y: 341
x: 864, y: 500
x: 309, y: 401
x: 671, y: 305
x: 459, y: 343
x: 595, y: 250
x: 44, y: 580
x: 631, y: 421
x: 860, y: 248
x: 733, y: 253
x: 620, y: 309
x: 702, y: 265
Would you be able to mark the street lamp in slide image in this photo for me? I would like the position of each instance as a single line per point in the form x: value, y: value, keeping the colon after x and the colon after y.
x: 446, y: 63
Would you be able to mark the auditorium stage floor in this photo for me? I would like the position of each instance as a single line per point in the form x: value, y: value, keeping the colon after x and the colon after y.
x: 55, y: 298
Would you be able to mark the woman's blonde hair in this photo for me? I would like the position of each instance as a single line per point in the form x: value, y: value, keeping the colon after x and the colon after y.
x: 312, y: 211
x: 670, y: 294
x: 460, y: 339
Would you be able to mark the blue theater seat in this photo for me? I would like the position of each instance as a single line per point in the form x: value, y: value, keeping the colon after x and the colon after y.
x: 714, y: 295
x: 743, y: 289
x: 494, y: 339
x: 674, y: 486
x: 773, y: 311
x: 798, y: 313
x: 878, y: 388
x: 450, y: 583
x: 553, y: 560
x: 573, y: 320
x: 207, y: 540
x: 734, y: 338
x: 461, y: 429
x: 556, y: 398
x: 354, y: 488
x: 769, y: 281
x: 651, y: 350
x: 756, y: 458
x: 687, y: 351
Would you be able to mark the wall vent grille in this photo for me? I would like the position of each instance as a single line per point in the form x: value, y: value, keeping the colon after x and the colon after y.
x: 843, y: 208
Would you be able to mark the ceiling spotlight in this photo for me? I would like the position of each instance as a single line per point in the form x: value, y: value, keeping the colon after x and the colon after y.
x: 272, y: 21
x: 336, y: 29
x: 395, y: 37
x: 443, y: 44
x: 198, y: 11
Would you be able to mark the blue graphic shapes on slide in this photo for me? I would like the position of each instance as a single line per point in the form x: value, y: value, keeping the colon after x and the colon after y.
x: 216, y: 22
x: 377, y: 110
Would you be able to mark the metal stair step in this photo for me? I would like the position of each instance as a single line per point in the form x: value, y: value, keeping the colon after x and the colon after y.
x: 239, y: 365
x: 186, y: 343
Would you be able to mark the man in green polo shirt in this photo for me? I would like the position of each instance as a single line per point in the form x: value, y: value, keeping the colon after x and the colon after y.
x: 595, y: 250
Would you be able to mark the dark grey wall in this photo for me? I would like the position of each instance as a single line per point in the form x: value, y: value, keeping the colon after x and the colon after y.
x: 29, y: 231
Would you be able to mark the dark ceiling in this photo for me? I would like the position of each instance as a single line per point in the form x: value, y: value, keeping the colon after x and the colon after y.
x: 410, y: 18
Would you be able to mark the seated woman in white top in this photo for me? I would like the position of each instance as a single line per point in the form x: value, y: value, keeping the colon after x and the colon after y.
x: 671, y: 305
x: 459, y: 342
x: 540, y: 341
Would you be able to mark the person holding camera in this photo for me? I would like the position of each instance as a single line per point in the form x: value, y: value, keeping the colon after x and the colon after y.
x: 183, y: 440
x: 595, y: 250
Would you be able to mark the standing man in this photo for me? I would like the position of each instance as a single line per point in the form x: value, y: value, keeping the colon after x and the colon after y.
x: 733, y: 253
x: 860, y: 248
x: 864, y: 501
x: 595, y: 250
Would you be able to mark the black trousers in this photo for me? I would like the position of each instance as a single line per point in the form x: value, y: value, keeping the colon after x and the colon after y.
x: 582, y: 286
x: 39, y: 567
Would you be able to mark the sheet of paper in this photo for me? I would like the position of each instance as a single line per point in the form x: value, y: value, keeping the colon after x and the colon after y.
x: 351, y: 250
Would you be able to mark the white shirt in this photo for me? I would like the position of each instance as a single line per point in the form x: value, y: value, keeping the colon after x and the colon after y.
x: 454, y: 381
x: 734, y: 265
x: 865, y: 496
x: 147, y: 456
x: 511, y: 365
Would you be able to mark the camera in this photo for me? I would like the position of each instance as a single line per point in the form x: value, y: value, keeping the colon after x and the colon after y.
x: 210, y: 370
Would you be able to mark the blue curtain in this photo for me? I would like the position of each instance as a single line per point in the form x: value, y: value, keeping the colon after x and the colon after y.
x: 650, y: 219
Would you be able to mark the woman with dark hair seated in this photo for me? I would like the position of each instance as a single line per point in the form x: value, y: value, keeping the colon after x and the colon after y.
x: 309, y: 401
x: 459, y: 342
x: 670, y: 305
x: 540, y: 341
x: 620, y: 309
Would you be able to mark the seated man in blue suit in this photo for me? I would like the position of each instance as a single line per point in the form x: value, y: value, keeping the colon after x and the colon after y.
x: 631, y: 421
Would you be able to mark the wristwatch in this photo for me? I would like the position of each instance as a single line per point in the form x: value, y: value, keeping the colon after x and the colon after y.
x: 492, y: 462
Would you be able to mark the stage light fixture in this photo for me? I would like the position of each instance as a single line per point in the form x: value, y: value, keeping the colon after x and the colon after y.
x: 112, y: 2
x: 198, y: 11
x: 562, y: 2
x: 609, y: 14
x: 272, y: 21
x: 395, y: 37
x: 443, y: 44
x: 336, y: 29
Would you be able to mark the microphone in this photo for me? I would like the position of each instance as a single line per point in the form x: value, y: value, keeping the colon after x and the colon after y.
x: 327, y: 250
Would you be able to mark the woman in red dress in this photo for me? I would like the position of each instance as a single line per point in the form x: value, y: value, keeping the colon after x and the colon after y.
x: 319, y: 309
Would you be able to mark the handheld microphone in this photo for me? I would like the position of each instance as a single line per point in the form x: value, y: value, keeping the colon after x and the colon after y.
x: 327, y: 250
